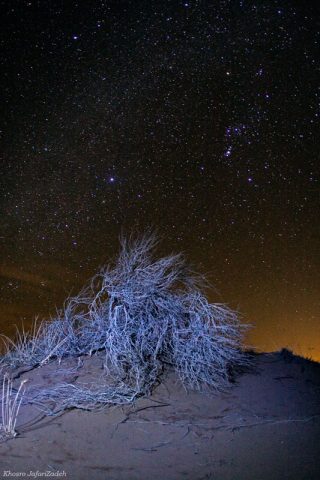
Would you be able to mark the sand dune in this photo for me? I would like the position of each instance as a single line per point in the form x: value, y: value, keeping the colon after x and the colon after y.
x: 266, y: 426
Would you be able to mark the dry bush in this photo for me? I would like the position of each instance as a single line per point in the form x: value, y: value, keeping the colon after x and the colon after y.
x: 144, y: 313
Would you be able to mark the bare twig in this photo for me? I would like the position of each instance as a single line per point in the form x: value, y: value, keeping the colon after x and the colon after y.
x: 232, y: 427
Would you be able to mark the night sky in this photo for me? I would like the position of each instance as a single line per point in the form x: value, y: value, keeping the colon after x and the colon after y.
x: 197, y: 118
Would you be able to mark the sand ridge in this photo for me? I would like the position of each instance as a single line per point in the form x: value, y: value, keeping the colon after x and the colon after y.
x: 266, y: 425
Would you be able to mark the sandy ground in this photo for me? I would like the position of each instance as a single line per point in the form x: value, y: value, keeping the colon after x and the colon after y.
x: 266, y: 426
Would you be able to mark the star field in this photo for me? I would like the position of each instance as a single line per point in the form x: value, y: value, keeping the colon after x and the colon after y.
x: 200, y: 119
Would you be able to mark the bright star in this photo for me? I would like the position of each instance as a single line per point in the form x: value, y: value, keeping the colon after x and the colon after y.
x: 227, y: 153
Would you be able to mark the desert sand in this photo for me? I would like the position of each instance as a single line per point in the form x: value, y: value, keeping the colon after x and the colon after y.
x: 265, y: 426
